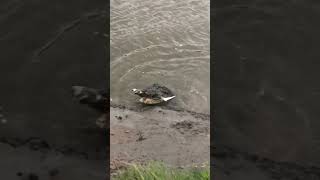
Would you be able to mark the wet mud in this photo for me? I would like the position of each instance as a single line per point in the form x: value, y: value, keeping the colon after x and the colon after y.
x: 178, y: 138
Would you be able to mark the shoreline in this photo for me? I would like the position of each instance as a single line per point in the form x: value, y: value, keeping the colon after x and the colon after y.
x: 142, y: 108
x: 178, y: 138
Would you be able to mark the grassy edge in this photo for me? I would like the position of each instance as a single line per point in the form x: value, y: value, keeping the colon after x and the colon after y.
x: 159, y: 171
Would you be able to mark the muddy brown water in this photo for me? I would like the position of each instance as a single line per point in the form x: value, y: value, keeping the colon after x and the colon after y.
x: 161, y: 41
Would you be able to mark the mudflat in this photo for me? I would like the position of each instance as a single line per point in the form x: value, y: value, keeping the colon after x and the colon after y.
x: 178, y: 138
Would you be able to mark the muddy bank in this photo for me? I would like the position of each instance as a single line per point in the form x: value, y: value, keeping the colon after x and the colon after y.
x: 47, y: 47
x: 178, y: 138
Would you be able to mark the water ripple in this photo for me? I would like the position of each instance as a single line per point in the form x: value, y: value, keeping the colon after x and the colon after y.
x: 161, y: 41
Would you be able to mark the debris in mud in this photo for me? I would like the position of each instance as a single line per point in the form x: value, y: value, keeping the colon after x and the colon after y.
x: 199, y: 115
x: 119, y: 117
x: 118, y: 106
x: 183, y: 125
x: 189, y: 126
x: 160, y: 111
x: 140, y: 136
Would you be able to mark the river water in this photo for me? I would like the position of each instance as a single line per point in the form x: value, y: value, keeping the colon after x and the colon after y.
x: 164, y: 41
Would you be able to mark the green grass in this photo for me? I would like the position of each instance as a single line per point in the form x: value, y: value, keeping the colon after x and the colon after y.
x: 158, y: 171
